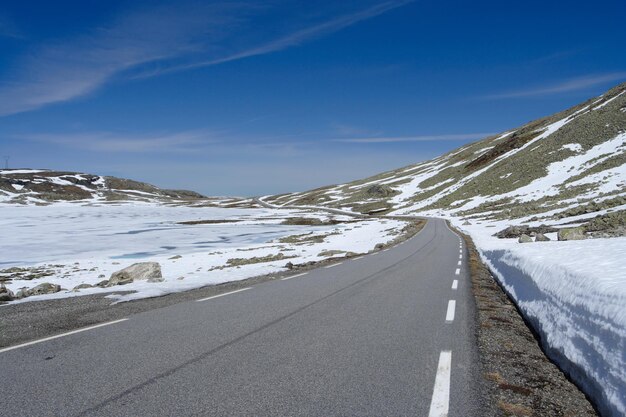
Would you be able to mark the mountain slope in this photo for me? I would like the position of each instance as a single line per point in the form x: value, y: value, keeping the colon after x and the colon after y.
x: 549, y: 167
x: 41, y: 186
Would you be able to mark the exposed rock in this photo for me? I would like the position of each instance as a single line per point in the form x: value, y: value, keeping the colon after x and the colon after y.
x: 517, y: 231
x: 540, y: 237
x: 149, y: 271
x: 571, y: 233
x: 175, y: 257
x: 378, y: 190
x: 379, y: 246
x: 525, y: 239
x: 289, y: 265
x: 103, y: 283
x: 82, y: 286
x: 466, y: 223
x: 257, y: 259
x: 45, y: 288
x: 5, y: 293
x: 608, y: 225
x: 329, y: 253
x: 304, y: 221
x: 22, y: 293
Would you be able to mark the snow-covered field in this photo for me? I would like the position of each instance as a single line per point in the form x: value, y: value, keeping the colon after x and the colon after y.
x: 85, y: 244
x: 574, y: 293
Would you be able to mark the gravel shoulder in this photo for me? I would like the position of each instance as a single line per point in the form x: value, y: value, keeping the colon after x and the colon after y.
x: 520, y: 380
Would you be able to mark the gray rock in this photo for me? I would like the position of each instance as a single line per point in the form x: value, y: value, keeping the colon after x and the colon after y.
x: 540, y: 237
x: 82, y: 286
x: 466, y: 223
x: 22, y: 293
x: 103, y: 283
x: 148, y: 271
x: 525, y: 239
x: 379, y: 246
x: 5, y: 294
x: 45, y: 288
x: 571, y: 233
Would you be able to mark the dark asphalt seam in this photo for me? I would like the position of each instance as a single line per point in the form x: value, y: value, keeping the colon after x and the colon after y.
x: 244, y: 336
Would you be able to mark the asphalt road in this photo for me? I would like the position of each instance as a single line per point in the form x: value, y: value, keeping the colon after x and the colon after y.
x: 370, y: 336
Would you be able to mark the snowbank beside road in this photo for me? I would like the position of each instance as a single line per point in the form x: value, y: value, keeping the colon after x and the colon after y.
x: 574, y: 295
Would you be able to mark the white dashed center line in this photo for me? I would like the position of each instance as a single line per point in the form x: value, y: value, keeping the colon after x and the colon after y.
x: 459, y: 264
x: 293, y: 276
x: 450, y: 312
x: 441, y: 393
x: 222, y: 295
x: 455, y: 284
x: 457, y: 272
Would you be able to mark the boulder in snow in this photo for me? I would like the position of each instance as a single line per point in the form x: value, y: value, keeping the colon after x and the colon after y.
x: 571, y: 233
x: 82, y: 286
x: 44, y: 288
x: 149, y: 271
x: 5, y: 293
x: 540, y: 237
x: 524, y: 238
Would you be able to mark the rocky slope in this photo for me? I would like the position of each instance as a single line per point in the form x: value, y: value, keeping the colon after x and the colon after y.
x: 561, y: 166
x: 28, y: 186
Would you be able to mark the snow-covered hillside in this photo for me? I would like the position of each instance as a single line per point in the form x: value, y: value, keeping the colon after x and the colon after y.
x: 548, y: 167
x: 38, y: 186
x: 562, y: 174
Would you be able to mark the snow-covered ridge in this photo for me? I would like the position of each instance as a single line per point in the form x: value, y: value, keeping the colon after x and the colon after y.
x: 36, y: 186
x: 578, y: 151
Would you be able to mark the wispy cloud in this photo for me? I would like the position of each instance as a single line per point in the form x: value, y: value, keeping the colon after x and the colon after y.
x: 574, y: 84
x: 426, y: 138
x: 120, y: 142
x: 66, y: 70
x: 74, y: 68
x: 293, y: 39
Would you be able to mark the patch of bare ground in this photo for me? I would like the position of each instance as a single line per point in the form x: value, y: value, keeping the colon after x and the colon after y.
x: 519, y: 379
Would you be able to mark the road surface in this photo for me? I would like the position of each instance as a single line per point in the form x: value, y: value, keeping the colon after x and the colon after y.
x: 388, y: 334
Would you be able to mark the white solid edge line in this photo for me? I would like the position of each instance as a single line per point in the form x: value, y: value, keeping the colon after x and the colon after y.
x: 61, y: 335
x: 221, y: 295
x: 450, y: 312
x: 441, y: 392
x: 455, y: 284
x: 293, y: 276
x: 332, y: 266
x: 457, y: 272
x: 357, y: 258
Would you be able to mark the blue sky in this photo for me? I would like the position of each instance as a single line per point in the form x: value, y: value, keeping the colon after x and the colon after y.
x: 257, y: 97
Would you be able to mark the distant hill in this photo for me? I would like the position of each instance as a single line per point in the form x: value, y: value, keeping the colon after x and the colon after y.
x: 564, y: 165
x: 24, y: 186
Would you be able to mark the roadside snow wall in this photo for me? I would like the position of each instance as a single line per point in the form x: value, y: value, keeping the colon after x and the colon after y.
x: 578, y: 308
